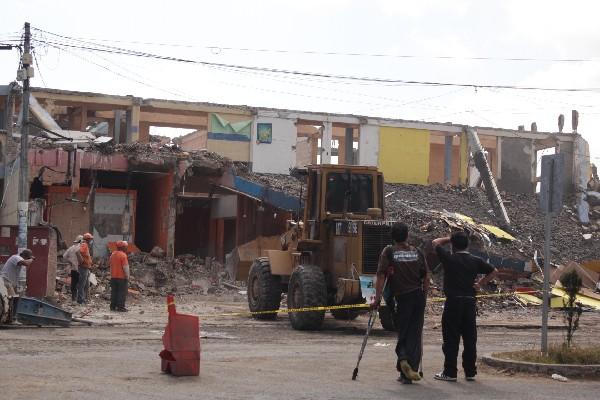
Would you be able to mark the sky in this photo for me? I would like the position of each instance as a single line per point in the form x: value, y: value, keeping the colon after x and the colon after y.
x: 425, y: 40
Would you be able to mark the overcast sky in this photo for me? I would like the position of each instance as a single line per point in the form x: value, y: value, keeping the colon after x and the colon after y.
x: 295, y: 35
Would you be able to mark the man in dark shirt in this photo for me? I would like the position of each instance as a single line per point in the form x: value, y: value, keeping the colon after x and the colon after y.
x: 459, y: 317
x: 408, y: 279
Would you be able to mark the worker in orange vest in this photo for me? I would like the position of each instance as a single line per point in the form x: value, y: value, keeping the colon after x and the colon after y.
x: 119, y: 276
x: 84, y: 268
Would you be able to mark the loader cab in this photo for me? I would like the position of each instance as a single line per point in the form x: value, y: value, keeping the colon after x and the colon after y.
x: 341, y: 192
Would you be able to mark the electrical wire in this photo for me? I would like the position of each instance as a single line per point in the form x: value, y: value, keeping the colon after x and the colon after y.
x: 37, y: 65
x: 116, y: 72
x: 117, y: 50
x: 345, y: 54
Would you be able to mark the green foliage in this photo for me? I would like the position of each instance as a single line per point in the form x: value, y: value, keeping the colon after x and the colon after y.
x: 571, y: 282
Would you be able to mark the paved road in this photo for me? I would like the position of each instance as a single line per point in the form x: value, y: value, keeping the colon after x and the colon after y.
x: 246, y: 359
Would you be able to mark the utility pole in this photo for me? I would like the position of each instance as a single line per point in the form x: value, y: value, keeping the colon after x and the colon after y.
x: 24, y: 74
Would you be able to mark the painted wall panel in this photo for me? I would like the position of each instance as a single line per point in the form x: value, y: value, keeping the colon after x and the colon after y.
x: 404, y: 155
x: 368, y: 145
x: 278, y: 156
x: 237, y: 151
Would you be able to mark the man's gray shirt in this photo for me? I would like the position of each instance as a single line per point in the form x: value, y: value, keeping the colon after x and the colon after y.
x: 11, y: 269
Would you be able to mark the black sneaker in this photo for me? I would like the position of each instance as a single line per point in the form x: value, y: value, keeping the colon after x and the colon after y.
x: 440, y: 376
x: 404, y: 381
x: 470, y: 378
x: 122, y: 309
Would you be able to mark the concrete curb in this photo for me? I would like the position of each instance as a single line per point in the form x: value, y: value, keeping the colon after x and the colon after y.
x: 517, y: 327
x: 568, y: 370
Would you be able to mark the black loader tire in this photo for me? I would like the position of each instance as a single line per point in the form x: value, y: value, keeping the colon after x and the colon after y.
x: 387, y: 319
x: 345, y: 314
x: 264, y: 290
x: 307, y: 288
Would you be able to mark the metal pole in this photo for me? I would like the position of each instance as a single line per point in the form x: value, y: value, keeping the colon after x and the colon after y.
x: 545, y: 305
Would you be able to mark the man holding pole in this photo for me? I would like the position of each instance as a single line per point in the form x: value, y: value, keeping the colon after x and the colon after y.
x: 408, y: 279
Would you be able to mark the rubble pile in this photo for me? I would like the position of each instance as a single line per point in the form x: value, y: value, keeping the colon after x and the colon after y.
x: 423, y: 208
x: 154, y: 274
x: 159, y: 151
x: 280, y: 182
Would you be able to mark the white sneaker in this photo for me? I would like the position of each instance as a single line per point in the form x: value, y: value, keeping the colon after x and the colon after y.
x: 440, y: 376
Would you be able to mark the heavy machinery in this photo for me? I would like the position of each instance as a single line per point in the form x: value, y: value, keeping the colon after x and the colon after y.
x: 326, y: 255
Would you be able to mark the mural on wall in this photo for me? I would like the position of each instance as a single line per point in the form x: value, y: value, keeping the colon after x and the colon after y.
x: 222, y: 129
x: 264, y: 133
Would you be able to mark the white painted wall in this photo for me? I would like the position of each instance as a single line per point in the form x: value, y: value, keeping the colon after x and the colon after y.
x: 278, y: 156
x: 368, y: 145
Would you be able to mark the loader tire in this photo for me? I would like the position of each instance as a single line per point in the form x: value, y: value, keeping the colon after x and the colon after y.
x: 345, y: 314
x: 264, y: 290
x: 307, y: 288
x: 387, y: 318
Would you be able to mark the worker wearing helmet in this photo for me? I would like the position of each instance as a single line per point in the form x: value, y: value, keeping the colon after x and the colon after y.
x: 119, y: 277
x: 84, y: 268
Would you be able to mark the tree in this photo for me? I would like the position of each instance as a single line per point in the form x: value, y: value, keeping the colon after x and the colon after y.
x: 571, y: 282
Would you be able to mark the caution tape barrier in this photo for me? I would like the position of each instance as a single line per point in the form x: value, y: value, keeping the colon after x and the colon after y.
x: 342, y: 307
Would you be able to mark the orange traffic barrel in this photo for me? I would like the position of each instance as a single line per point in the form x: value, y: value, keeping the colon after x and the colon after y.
x: 181, y: 340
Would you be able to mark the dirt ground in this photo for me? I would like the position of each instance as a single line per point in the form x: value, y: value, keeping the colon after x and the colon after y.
x: 247, y: 359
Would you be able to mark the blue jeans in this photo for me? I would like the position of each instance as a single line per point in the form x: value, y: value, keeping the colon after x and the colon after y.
x: 82, y: 287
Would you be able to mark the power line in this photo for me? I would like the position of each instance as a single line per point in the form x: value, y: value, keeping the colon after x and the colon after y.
x: 116, y: 50
x: 118, y: 73
x: 345, y: 54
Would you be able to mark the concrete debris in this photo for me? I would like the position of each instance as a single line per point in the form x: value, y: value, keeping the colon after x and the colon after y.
x: 159, y: 151
x: 283, y: 183
x: 157, y: 252
x: 431, y: 212
x: 157, y: 275
x: 414, y: 205
x: 559, y: 378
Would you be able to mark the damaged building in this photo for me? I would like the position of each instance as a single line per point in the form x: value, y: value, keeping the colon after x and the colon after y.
x: 95, y: 167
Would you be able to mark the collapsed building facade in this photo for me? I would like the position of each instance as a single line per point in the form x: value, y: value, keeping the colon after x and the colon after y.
x: 93, y: 167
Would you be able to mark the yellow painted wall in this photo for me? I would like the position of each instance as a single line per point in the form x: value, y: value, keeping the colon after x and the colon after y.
x: 404, y: 155
x: 237, y: 151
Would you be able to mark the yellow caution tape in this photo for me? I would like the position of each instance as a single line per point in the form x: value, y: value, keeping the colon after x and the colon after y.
x: 339, y: 307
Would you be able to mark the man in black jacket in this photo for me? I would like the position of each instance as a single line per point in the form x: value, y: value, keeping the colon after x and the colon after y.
x: 461, y: 270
